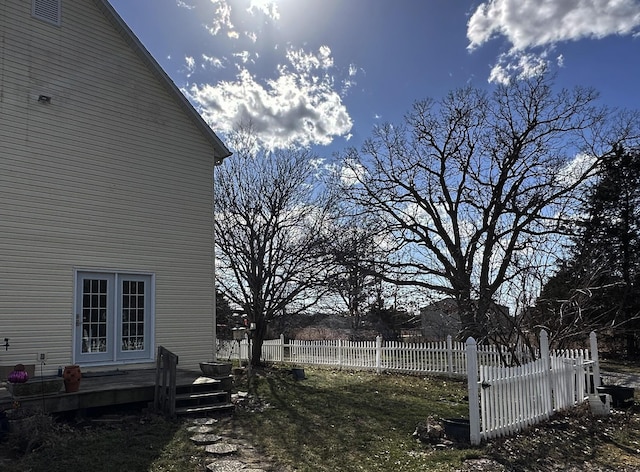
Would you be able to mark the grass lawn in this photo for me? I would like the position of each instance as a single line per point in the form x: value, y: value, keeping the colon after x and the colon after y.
x: 352, y: 421
x: 335, y: 421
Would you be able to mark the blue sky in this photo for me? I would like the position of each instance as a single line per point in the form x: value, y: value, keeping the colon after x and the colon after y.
x: 323, y: 73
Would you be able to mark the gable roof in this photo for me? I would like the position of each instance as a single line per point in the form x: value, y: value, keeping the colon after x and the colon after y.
x: 220, y: 150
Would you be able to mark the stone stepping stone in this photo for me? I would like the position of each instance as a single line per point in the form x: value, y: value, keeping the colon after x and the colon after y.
x: 221, y: 449
x: 226, y: 466
x: 204, y: 439
x: 204, y: 421
x: 205, y: 429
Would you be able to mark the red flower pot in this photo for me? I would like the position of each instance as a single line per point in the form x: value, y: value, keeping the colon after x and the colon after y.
x: 71, y: 377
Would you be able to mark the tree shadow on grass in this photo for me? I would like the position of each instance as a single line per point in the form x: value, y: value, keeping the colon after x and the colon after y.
x: 329, y: 418
x: 133, y: 442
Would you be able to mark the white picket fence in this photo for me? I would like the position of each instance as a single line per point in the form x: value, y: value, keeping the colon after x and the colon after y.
x: 446, y: 357
x: 505, y: 400
x: 502, y: 400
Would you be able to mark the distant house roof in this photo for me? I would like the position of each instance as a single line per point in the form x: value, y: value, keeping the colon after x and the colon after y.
x: 220, y: 150
x: 449, y: 306
x: 442, y: 318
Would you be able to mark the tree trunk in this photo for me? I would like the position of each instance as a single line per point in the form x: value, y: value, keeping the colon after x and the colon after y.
x: 466, y: 313
x: 257, y: 340
x: 256, y: 350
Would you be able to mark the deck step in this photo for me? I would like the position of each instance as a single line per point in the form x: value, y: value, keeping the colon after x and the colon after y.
x: 202, y: 395
x: 188, y: 410
x: 206, y: 384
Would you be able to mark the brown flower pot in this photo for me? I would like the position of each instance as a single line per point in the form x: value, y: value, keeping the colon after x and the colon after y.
x: 71, y: 377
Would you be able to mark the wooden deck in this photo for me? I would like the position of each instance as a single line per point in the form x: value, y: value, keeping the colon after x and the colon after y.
x: 98, y: 389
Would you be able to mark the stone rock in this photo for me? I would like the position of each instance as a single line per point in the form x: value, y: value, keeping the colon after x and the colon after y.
x: 226, y: 466
x: 205, y: 429
x: 221, y: 449
x: 204, y: 421
x: 430, y: 431
x: 204, y: 439
x: 239, y: 397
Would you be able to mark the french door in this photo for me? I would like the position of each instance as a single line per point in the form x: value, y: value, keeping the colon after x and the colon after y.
x: 114, y: 317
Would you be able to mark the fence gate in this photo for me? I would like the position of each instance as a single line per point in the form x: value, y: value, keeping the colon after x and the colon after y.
x: 505, y: 400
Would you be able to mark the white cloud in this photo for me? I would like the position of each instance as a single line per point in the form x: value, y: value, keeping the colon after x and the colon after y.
x: 244, y: 56
x: 190, y: 64
x: 352, y: 173
x: 347, y: 85
x: 530, y: 24
x: 224, y: 16
x: 298, y: 107
x: 518, y: 64
x: 575, y: 170
x: 212, y: 61
x: 266, y: 7
x: 299, y: 104
x: 221, y: 19
x: 251, y: 35
x: 349, y: 82
x: 304, y: 62
x: 182, y: 4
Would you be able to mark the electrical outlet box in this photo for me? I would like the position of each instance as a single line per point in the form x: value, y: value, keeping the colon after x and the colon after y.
x: 41, y: 357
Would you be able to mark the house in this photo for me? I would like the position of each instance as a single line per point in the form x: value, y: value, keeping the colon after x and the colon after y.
x: 106, y: 196
x: 441, y: 319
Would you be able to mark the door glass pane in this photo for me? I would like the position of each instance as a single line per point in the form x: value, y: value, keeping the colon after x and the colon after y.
x: 94, y: 315
x: 133, y: 314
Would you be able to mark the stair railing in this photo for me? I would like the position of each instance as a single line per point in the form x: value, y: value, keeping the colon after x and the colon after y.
x: 164, y: 400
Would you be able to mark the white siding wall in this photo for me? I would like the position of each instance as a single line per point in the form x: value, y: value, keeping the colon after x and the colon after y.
x: 112, y: 174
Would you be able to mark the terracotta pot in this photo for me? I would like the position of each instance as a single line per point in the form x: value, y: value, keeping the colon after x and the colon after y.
x: 71, y: 377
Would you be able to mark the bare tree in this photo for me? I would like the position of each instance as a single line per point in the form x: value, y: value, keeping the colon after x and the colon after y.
x: 471, y: 183
x: 579, y: 299
x: 355, y: 250
x: 269, y: 211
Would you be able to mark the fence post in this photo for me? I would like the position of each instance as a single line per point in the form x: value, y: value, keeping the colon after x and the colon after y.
x: 547, y: 380
x: 593, y: 341
x: 544, y: 345
x: 378, y: 354
x: 450, y: 355
x: 281, y: 347
x: 340, y: 353
x: 474, y: 398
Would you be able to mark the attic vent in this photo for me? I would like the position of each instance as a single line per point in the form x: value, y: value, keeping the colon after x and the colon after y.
x: 46, y: 10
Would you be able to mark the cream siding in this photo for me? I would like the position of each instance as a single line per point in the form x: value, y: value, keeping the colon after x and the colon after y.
x: 112, y: 174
